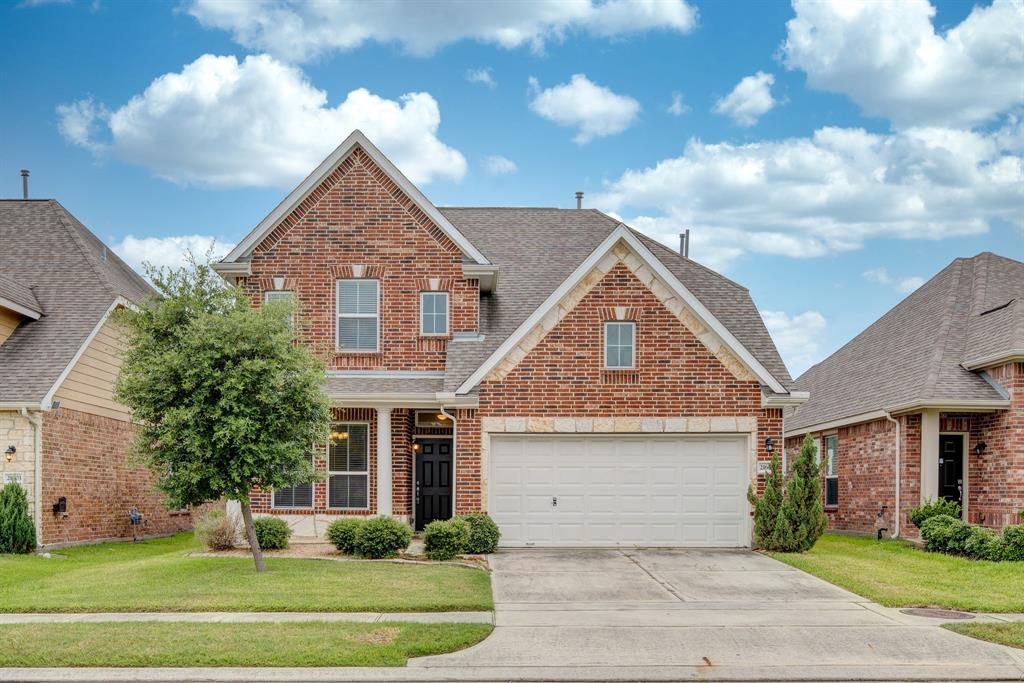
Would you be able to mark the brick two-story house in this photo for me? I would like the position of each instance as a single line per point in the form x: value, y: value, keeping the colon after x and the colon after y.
x: 577, y: 380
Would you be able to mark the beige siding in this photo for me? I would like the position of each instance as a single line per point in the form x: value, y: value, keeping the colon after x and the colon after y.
x: 8, y: 321
x: 89, y: 387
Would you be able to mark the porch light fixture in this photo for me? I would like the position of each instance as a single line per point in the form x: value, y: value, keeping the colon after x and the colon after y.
x: 415, y: 446
x: 980, y: 447
x: 769, y: 444
x: 9, y: 453
x: 441, y: 417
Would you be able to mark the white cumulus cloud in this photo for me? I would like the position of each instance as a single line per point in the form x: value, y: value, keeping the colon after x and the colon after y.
x: 300, y: 30
x: 828, y: 193
x: 796, y: 337
x: 749, y: 100
x: 593, y: 109
x: 169, y: 251
x: 499, y: 165
x: 903, y: 285
x: 482, y: 76
x: 256, y: 123
x: 889, y: 59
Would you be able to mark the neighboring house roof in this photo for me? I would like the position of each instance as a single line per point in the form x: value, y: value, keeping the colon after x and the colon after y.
x: 75, y: 280
x: 19, y: 298
x: 537, y: 249
x: 915, y: 354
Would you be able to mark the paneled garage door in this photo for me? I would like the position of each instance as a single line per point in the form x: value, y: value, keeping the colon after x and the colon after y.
x: 615, y: 490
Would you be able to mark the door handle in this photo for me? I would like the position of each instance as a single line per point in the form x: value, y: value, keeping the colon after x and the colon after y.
x: 417, y: 491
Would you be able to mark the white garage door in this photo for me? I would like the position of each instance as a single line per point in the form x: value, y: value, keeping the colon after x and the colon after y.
x: 576, y: 490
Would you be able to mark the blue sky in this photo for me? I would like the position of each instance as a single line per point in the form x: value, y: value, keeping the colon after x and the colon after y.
x: 827, y: 156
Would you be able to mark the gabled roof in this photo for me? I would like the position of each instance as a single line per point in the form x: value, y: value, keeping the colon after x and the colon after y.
x: 915, y: 355
x: 19, y: 298
x: 326, y: 167
x: 75, y: 280
x: 537, y: 249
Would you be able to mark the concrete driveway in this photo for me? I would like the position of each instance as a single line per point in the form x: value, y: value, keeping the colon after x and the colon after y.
x: 701, y: 614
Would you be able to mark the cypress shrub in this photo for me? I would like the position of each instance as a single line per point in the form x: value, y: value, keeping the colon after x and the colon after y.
x: 17, y: 533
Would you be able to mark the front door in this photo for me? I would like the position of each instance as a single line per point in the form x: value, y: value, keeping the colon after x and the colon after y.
x: 433, y: 481
x: 951, y: 467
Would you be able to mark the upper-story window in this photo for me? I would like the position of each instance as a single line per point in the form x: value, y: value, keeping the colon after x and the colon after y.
x: 434, y: 313
x: 281, y: 295
x: 359, y: 316
x: 619, y: 345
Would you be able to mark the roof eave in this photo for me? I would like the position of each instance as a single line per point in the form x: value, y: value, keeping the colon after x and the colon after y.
x: 228, y: 269
x: 402, y: 400
x: 993, y: 359
x: 793, y: 398
x: 20, y: 309
x: 945, y: 405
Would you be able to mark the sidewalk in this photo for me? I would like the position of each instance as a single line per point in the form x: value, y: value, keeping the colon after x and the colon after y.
x: 249, y: 617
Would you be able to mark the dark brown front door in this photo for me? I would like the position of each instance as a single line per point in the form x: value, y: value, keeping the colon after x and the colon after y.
x: 951, y: 467
x: 433, y: 481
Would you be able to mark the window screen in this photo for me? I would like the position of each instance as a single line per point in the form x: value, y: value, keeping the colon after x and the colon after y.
x: 358, y: 315
x: 348, y: 463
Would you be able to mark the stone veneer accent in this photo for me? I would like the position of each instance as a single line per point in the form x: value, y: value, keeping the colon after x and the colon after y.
x: 17, y: 431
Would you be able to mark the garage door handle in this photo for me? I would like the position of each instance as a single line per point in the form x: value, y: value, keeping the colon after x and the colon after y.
x: 554, y: 501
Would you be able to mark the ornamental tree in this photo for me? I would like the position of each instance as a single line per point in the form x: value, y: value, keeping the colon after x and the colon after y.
x: 789, y: 516
x: 767, y: 506
x: 224, y: 401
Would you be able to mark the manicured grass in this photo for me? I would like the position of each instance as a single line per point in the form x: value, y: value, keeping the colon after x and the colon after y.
x: 1004, y: 634
x: 896, y: 574
x: 306, y: 643
x: 157, y: 575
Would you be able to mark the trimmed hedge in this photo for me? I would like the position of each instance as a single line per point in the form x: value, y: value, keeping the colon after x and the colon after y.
x: 1013, y: 542
x: 945, y: 534
x: 272, y: 533
x: 933, y: 508
x: 445, y: 539
x: 483, y: 534
x: 342, y: 533
x: 382, y: 537
x: 984, y: 544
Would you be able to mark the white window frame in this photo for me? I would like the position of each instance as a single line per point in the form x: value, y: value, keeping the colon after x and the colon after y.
x: 831, y: 464
x: 333, y: 472
x: 269, y: 292
x: 447, y: 313
x: 312, y: 492
x: 338, y: 315
x: 604, y: 345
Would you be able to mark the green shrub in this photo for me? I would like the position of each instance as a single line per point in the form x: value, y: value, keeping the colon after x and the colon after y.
x: 382, y: 537
x: 342, y: 533
x: 17, y: 533
x: 984, y: 544
x: 217, y: 530
x: 1013, y: 542
x: 933, y: 508
x: 444, y: 539
x: 272, y: 532
x: 945, y: 534
x: 483, y: 534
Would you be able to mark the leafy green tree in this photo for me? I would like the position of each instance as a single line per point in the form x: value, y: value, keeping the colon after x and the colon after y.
x: 767, y: 506
x: 224, y: 400
x: 17, y: 533
x: 802, y: 519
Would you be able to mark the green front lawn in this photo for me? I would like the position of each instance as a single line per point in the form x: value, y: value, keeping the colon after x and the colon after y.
x: 896, y: 574
x: 1004, y: 634
x: 306, y: 643
x: 157, y: 575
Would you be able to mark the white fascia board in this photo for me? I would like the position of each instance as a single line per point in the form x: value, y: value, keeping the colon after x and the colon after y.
x: 299, y: 194
x: 951, y: 406
x: 993, y: 359
x: 840, y: 422
x: 487, y: 274
x: 47, y: 401
x: 623, y: 233
x: 228, y: 269
x: 18, y: 405
x: 402, y: 400
x: 793, y: 398
x: 388, y: 374
x: 19, y: 309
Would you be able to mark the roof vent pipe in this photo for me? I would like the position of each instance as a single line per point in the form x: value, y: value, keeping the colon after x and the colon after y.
x: 684, y: 244
x: 24, y: 183
x: 579, y: 200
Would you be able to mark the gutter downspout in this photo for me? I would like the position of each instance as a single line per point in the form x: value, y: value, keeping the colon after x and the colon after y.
x: 899, y: 466
x: 37, y: 477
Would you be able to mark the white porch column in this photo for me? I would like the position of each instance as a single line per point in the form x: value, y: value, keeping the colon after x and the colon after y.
x: 384, y: 461
x: 929, y: 455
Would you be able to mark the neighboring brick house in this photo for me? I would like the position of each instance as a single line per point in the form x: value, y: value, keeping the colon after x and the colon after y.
x: 577, y: 380
x: 62, y: 436
x: 933, y: 389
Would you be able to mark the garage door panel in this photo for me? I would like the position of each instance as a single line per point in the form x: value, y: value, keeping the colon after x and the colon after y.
x: 619, y: 490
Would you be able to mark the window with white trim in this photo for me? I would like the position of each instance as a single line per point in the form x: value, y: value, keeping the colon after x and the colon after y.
x: 348, y: 466
x: 434, y: 313
x: 619, y: 345
x: 285, y: 295
x: 359, y: 316
x: 832, y: 470
x: 298, y: 496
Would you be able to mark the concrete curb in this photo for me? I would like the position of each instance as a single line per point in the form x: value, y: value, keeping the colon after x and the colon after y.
x: 251, y: 617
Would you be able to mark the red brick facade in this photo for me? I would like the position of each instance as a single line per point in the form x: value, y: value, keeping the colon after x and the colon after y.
x: 85, y: 461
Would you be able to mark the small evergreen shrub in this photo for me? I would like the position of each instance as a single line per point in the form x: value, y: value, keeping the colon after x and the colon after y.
x: 342, y: 533
x: 444, y: 539
x: 1013, y: 542
x: 483, y: 535
x: 382, y: 537
x: 789, y: 517
x: 984, y: 544
x: 17, y: 532
x: 919, y: 515
x: 272, y: 532
x: 217, y: 530
x: 945, y: 534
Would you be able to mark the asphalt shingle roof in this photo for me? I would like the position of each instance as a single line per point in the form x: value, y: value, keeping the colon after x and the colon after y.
x: 537, y: 249
x: 19, y: 294
x: 74, y: 278
x: 973, y: 308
